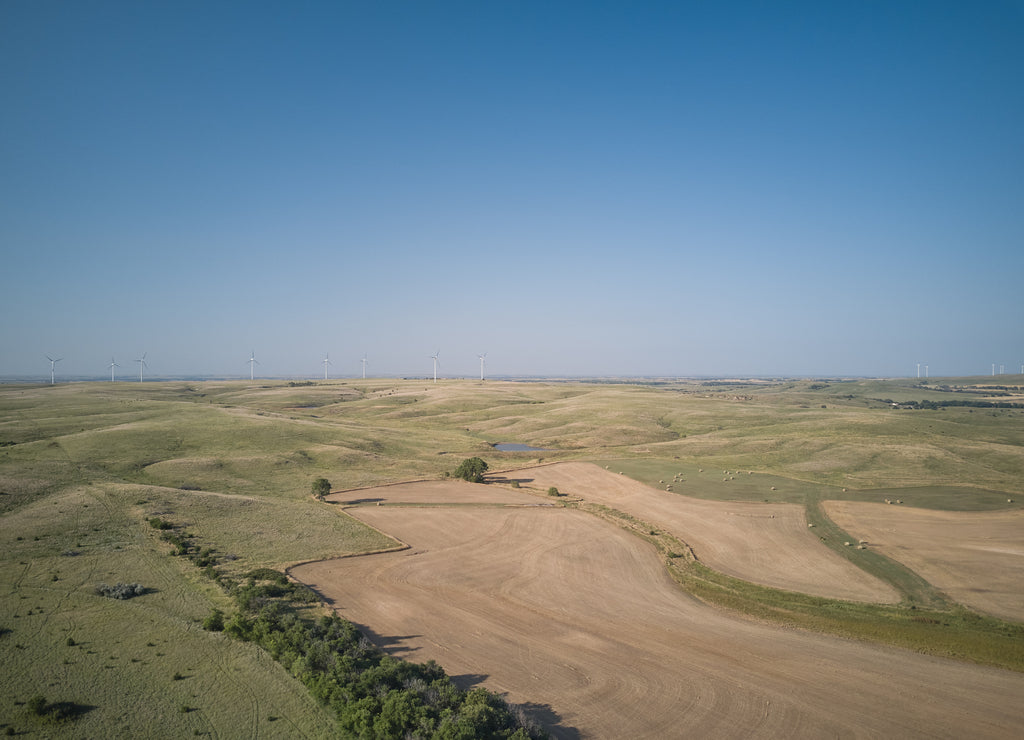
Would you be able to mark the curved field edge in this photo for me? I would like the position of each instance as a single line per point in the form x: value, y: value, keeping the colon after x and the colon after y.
x: 952, y: 633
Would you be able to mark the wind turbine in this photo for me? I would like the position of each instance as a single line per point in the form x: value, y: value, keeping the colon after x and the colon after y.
x: 112, y: 366
x: 52, y: 363
x: 919, y: 369
x: 142, y: 364
x: 327, y: 362
x: 364, y: 366
x: 434, y: 356
x: 252, y: 364
x: 482, y: 364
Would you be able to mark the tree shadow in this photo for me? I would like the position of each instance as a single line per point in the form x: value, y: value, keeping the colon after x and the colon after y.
x: 506, y: 479
x: 394, y: 645
x: 529, y: 714
x: 546, y: 717
x: 355, y: 501
x: 69, y: 710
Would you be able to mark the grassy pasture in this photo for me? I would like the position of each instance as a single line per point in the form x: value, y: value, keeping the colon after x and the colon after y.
x: 82, y: 467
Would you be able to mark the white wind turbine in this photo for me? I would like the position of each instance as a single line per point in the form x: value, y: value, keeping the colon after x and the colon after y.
x: 364, y: 366
x: 252, y: 364
x: 327, y: 362
x: 482, y: 364
x: 142, y: 365
x: 434, y: 357
x: 52, y: 363
x: 112, y: 366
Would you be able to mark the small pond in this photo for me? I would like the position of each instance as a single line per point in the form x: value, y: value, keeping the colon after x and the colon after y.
x: 516, y: 447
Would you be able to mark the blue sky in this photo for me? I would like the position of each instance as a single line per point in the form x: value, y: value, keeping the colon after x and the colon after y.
x: 575, y: 188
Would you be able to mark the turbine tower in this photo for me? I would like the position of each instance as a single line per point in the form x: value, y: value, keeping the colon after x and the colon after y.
x: 252, y: 364
x: 142, y: 364
x: 52, y: 363
x: 482, y: 364
x: 327, y: 362
x: 919, y: 369
x: 434, y: 357
x: 112, y: 366
x: 364, y: 366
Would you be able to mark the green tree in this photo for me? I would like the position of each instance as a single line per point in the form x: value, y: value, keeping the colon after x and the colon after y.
x: 321, y: 487
x: 471, y: 469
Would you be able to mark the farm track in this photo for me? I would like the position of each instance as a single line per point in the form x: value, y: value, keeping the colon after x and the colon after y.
x: 568, y: 613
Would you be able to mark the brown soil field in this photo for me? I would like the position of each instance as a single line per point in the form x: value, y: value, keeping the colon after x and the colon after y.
x: 769, y: 544
x: 579, y: 621
x: 977, y: 558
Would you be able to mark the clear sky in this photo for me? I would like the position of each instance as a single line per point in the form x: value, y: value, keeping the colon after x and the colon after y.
x: 575, y: 188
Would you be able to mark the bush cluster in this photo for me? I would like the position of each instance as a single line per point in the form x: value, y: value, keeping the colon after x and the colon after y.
x: 373, y: 694
x: 471, y: 469
x: 121, y: 590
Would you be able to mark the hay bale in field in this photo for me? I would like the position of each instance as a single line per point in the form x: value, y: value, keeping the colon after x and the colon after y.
x: 773, y: 488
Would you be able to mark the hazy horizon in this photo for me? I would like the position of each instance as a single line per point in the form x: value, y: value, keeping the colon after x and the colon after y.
x: 579, y: 189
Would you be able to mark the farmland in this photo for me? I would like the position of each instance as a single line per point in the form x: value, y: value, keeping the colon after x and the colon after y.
x: 85, y: 467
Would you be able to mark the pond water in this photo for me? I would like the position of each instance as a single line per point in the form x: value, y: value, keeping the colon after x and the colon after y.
x: 516, y: 447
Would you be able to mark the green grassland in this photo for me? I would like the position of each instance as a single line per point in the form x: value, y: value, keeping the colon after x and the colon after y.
x: 84, y: 466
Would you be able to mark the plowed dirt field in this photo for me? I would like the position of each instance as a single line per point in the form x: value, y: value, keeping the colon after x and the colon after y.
x: 579, y: 621
x: 768, y: 544
x: 977, y: 558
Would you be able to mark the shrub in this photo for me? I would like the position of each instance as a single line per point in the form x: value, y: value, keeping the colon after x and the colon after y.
x: 121, y: 590
x: 553, y: 491
x: 471, y: 469
x: 321, y: 487
x: 158, y: 523
x: 37, y: 705
x: 214, y: 622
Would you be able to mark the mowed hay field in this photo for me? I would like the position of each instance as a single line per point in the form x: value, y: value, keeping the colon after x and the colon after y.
x: 976, y: 557
x: 579, y: 620
x: 86, y: 467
